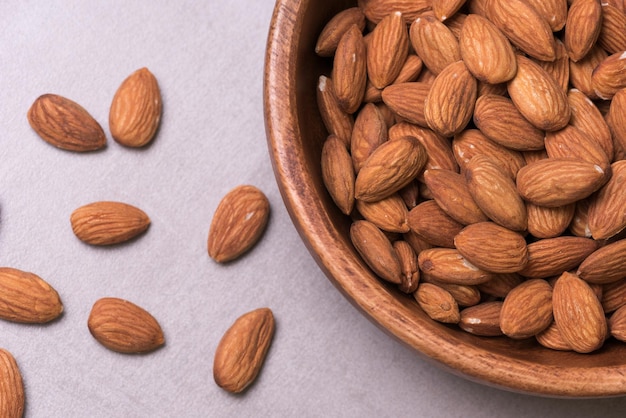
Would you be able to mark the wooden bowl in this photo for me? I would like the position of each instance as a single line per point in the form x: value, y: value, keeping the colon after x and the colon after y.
x: 295, y: 134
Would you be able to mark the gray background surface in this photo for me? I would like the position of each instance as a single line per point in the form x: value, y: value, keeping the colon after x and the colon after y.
x: 326, y: 359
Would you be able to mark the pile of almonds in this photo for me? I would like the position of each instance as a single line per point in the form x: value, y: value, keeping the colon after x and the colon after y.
x: 479, y: 148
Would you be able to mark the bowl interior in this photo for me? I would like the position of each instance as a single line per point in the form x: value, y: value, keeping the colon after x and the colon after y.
x: 295, y: 134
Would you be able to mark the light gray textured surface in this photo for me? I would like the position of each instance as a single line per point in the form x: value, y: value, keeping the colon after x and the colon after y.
x: 326, y: 360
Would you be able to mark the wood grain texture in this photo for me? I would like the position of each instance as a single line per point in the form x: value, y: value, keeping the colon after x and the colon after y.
x: 295, y: 134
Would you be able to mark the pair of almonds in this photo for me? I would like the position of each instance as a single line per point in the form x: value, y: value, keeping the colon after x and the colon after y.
x: 134, y: 117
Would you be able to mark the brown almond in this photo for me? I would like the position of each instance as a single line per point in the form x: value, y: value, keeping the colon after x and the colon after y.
x: 552, y: 256
x: 613, y: 295
x: 455, y: 22
x: 544, y: 222
x: 434, y: 43
x: 464, y: 295
x: 332, y: 32
x: 612, y: 37
x: 500, y: 120
x: 495, y: 193
x: 617, y: 324
x: 558, y: 181
x: 616, y: 121
x: 410, y: 267
x: 551, y: 338
x: 336, y: 121
x: 368, y: 133
x: 450, y: 101
x: 485, y: 50
x: 389, y: 168
x: 586, y: 116
x: 605, y: 265
x: 492, y: 247
x: 438, y: 303
x: 607, y: 208
x: 108, y: 223
x: 349, y: 73
x: 407, y: 101
x: 238, y: 223
x: 578, y: 314
x: 559, y: 68
x: 450, y: 192
x: 524, y: 27
x: 241, y: 352
x: 445, y: 9
x: 27, y: 298
x: 527, y: 309
x: 338, y: 173
x: 11, y: 387
x: 581, y: 72
x: 135, y: 112
x: 387, y: 50
x: 449, y: 266
x: 376, y: 10
x: 433, y: 224
x: 570, y: 142
x: 538, y: 97
x: 609, y: 76
x: 376, y: 250
x: 501, y: 284
x: 482, y: 319
x: 389, y: 214
x: 553, y: 11
x: 584, y: 20
x: 122, y: 326
x: 65, y: 124
x: 580, y: 222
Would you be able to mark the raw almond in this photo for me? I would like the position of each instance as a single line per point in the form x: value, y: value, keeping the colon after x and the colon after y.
x: 605, y: 265
x: 410, y: 267
x: 391, y: 166
x: 445, y: 9
x: 501, y: 284
x: 578, y: 314
x: 122, y: 326
x: 238, y: 223
x: 570, y: 142
x: 407, y: 101
x: 482, y: 319
x: 586, y: 116
x: 616, y: 121
x: 376, y: 250
x: 387, y: 50
x: 450, y: 192
x: 338, y: 173
x: 329, y: 37
x: 613, y: 295
x: 552, y: 256
x: 241, y: 352
x: 434, y: 43
x: 551, y: 338
x: 437, y: 303
x: 464, y: 295
x: 376, y: 10
x: 617, y: 324
x: 584, y: 20
x: 609, y: 76
x: 65, y: 124
x: 108, y: 223
x: 485, y: 50
x: 433, y: 224
x: 492, y: 247
x: 538, y: 97
x: 553, y: 11
x: 607, y: 207
x: 389, y: 214
x: 544, y: 222
x: 368, y: 133
x: 580, y: 222
x: 581, y: 72
x: 336, y: 121
x: 27, y: 298
x: 11, y: 387
x: 527, y: 309
x: 612, y: 37
x: 349, y: 72
x: 449, y: 266
x: 559, y: 68
x: 450, y: 101
x: 135, y: 112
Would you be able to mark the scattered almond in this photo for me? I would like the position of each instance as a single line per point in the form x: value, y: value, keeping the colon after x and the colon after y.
x: 11, y: 387
x: 27, y: 298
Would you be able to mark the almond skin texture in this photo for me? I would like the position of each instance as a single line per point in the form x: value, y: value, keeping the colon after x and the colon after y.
x: 27, y: 298
x: 387, y: 50
x: 571, y: 142
x: 605, y: 265
x: 482, y: 319
x: 389, y: 214
x: 238, y: 223
x: 527, y: 309
x: 65, y: 124
x: 584, y: 20
x: 587, y: 118
x: 338, y: 173
x: 376, y: 10
x: 336, y: 121
x: 407, y: 101
x: 135, y: 112
x: 617, y: 324
x: 434, y: 43
x: 438, y: 303
x: 552, y: 256
x: 450, y: 101
x: 369, y: 132
x: 578, y: 314
x: 544, y: 222
x: 349, y: 72
x: 486, y: 51
x: 612, y: 35
x: 376, y: 250
x: 538, y: 97
x: 433, y: 224
x: 492, y: 247
x: 450, y: 192
x: 335, y: 28
x: 609, y: 76
x: 122, y: 326
x: 108, y: 223
x: 11, y: 387
x: 242, y: 350
x: 410, y: 268
x: 607, y: 208
x: 449, y: 266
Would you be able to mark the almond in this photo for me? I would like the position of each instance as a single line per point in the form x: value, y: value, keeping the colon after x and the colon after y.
x: 122, y: 326
x: 332, y: 32
x: 524, y: 27
x: 450, y: 101
x: 609, y: 76
x: 368, y: 133
x: 616, y: 121
x: 553, y: 11
x: 584, y: 20
x: 136, y: 109
x: 607, y: 208
x: 238, y: 223
x: 433, y: 224
x: 486, y: 51
x: 389, y: 214
x: 581, y: 72
x: 449, y: 266
x: 570, y: 142
x: 492, y: 247
x: 437, y: 303
x: 338, y: 173
x: 558, y: 181
x: 495, y: 193
x: 242, y: 350
x: 11, y: 387
x: 410, y: 267
x: 559, y: 68
x: 580, y: 222
x: 65, y: 124
x: 544, y: 222
x: 434, y: 43
x: 527, y: 309
x: 538, y: 97
x: 349, y: 72
x: 613, y: 295
x: 27, y: 298
x: 551, y: 338
x: 108, y: 223
x: 464, y: 295
x: 605, y: 265
x: 450, y: 192
x: 552, y: 256
x: 445, y: 9
x: 407, y: 101
x: 501, y: 284
x: 455, y: 22
x: 586, y: 116
x: 387, y: 50
x: 500, y: 120
x: 376, y: 250
x: 482, y: 319
x: 391, y: 166
x: 578, y: 314
x: 376, y: 10
x: 336, y: 121
x: 617, y: 324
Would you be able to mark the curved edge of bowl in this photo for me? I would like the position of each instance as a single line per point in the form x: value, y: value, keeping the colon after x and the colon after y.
x: 536, y: 371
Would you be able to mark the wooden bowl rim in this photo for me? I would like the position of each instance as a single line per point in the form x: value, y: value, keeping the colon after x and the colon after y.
x: 581, y: 379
